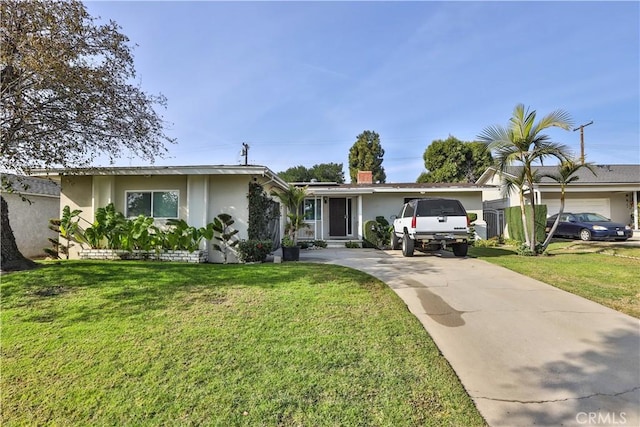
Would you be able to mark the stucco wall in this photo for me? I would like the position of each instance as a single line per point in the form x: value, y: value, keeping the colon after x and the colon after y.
x: 30, y: 222
x: 228, y: 194
x: 621, y: 208
x: 388, y: 205
x: 201, y: 198
x: 75, y: 192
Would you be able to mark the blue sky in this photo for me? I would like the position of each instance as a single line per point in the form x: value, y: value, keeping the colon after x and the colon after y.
x: 298, y: 81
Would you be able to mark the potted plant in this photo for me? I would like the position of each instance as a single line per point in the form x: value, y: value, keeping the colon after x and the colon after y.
x: 292, y: 198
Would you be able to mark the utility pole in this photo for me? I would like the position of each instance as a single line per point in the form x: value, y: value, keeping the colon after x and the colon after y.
x: 245, y: 152
x: 581, y: 127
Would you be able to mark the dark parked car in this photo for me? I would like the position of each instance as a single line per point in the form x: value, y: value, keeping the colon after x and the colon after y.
x: 589, y: 226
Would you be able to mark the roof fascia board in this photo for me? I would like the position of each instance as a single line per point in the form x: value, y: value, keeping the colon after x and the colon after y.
x: 432, y: 189
x: 162, y: 170
x: 572, y: 188
x: 371, y: 190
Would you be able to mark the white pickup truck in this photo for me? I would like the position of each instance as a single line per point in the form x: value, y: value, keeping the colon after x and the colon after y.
x: 431, y: 225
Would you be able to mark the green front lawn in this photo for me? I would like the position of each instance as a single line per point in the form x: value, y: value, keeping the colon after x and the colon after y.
x: 587, y: 269
x: 142, y: 343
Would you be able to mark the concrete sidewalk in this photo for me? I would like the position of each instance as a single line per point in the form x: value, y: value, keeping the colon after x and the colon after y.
x: 526, y: 352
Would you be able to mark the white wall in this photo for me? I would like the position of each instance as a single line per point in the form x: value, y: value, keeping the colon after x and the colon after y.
x: 389, y: 204
x: 228, y: 194
x: 76, y: 192
x: 30, y: 222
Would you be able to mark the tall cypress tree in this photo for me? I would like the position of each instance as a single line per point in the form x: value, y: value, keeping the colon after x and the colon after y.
x: 366, y: 154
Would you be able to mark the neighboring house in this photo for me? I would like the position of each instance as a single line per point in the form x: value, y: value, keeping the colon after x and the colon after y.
x: 336, y: 212
x: 29, y: 219
x: 196, y: 194
x: 613, y: 192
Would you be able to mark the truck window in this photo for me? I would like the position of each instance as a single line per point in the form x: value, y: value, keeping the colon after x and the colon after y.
x: 442, y: 207
x: 408, y: 211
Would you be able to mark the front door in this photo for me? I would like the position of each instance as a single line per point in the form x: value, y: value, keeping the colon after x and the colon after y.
x: 339, y: 217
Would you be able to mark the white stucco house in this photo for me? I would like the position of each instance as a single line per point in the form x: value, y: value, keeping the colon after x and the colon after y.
x: 30, y: 219
x: 613, y: 191
x: 196, y: 194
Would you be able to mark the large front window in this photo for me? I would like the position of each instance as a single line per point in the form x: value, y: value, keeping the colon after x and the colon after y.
x: 156, y: 204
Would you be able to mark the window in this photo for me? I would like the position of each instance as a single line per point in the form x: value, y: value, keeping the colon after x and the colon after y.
x: 438, y: 207
x: 408, y: 211
x: 312, y: 210
x: 156, y: 204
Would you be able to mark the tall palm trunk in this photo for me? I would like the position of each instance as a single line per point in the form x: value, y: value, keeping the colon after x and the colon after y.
x: 532, y: 202
x: 523, y: 214
x: 532, y: 230
x: 554, y: 227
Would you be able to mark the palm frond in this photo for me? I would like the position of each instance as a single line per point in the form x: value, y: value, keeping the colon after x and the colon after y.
x: 495, y: 136
x: 558, y: 118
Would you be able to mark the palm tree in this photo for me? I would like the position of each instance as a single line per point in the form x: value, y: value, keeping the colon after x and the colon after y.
x: 292, y: 198
x: 522, y: 142
x: 564, y: 176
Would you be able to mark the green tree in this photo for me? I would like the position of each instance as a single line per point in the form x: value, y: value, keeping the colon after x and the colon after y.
x: 327, y: 172
x: 322, y: 172
x: 296, y: 174
x: 66, y: 91
x: 452, y: 160
x: 522, y: 142
x: 366, y: 154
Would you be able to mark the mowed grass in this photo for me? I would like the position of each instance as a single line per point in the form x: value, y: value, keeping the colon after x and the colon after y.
x: 587, y: 269
x: 142, y: 343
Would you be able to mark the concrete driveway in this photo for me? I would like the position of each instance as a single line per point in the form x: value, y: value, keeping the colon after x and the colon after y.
x: 526, y: 352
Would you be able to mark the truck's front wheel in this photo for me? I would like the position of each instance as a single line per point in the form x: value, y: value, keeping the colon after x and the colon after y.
x: 407, y: 245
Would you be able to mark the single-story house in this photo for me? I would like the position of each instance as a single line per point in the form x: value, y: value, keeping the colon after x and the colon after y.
x: 196, y: 194
x: 613, y: 191
x: 337, y: 212
x: 29, y: 220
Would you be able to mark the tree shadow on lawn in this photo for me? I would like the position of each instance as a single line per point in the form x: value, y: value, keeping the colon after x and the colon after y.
x: 494, y: 252
x: 131, y: 288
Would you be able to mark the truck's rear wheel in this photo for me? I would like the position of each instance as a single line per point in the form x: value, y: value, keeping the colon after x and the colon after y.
x: 407, y: 245
x: 460, y: 249
x: 395, y: 241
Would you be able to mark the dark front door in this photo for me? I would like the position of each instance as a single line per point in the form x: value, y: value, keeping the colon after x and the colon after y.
x: 338, y: 217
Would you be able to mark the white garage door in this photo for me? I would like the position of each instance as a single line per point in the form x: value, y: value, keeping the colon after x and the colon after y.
x: 600, y: 206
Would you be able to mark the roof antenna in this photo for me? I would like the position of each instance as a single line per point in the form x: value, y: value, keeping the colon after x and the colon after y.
x: 245, y: 152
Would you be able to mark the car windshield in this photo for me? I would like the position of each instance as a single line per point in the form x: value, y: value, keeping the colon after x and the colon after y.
x: 591, y: 217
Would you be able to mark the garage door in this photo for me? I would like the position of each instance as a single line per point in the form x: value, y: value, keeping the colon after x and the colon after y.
x: 601, y: 206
